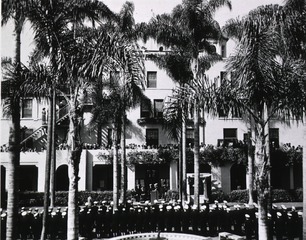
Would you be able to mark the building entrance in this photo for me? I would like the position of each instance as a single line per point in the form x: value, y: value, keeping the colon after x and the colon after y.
x: 150, y: 176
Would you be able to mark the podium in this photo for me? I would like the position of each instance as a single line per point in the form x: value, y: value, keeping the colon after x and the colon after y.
x: 153, y: 195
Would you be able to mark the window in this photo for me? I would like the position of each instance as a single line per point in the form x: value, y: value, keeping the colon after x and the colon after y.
x: 274, y: 137
x: 152, y: 137
x: 27, y: 108
x: 229, y: 136
x: 223, y: 51
x: 151, y: 78
x: 222, y: 112
x: 236, y: 113
x: 109, y: 137
x: 114, y: 77
x: 223, y: 77
x: 144, y: 110
x: 158, y: 108
x: 190, y: 137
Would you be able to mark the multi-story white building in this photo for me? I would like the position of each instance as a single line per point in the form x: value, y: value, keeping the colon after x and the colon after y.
x: 144, y: 129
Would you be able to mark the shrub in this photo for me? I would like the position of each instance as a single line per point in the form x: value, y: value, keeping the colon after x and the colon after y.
x: 30, y: 199
x: 172, y: 195
x: 218, y: 195
x: 298, y: 195
x: 281, y: 195
x: 241, y: 196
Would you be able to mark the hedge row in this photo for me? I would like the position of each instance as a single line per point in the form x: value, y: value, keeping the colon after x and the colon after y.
x: 29, y: 199
x: 242, y: 196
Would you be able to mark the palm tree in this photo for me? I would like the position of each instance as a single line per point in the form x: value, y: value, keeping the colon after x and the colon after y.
x: 40, y: 84
x: 12, y: 83
x: 52, y: 30
x: 295, y: 18
x: 17, y: 10
x: 190, y: 27
x: 266, y: 80
x: 177, y: 66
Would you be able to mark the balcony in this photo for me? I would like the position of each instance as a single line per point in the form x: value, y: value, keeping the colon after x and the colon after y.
x: 150, y: 120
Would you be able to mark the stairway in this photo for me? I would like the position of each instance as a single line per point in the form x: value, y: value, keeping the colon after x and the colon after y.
x: 61, y: 115
x: 38, y: 133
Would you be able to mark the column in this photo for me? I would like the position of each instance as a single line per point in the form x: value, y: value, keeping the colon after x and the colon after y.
x: 173, y: 175
x: 131, y: 177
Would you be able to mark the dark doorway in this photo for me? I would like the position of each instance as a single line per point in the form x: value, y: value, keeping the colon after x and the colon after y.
x: 152, y: 173
x: 103, y: 177
x: 61, y: 178
x: 28, y: 178
x: 3, y: 193
x: 238, y: 177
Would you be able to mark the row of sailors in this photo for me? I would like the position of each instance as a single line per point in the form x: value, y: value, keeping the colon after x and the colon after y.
x: 103, y: 221
x: 208, y: 220
x: 29, y: 223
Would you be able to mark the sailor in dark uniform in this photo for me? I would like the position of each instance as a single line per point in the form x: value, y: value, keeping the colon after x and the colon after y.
x: 248, y: 227
x: 186, y: 219
x: 279, y: 226
x: 3, y: 225
x: 36, y: 225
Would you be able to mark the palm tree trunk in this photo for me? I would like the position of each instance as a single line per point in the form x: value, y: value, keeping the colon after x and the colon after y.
x: 267, y: 142
x: 262, y: 180
x: 13, y: 167
x: 196, y: 151
x: 304, y: 180
x: 123, y: 162
x: 250, y: 175
x: 115, y: 168
x: 75, y: 149
x: 53, y: 151
x: 14, y: 146
x: 180, y: 172
x: 47, y: 171
x: 184, y: 162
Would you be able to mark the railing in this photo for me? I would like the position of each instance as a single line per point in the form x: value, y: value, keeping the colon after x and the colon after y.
x: 62, y: 113
x: 39, y: 130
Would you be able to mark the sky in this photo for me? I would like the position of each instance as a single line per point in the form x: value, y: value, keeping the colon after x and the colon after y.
x: 144, y: 10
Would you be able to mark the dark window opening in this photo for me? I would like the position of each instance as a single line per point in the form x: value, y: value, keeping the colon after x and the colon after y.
x: 229, y: 136
x: 223, y: 51
x: 158, y: 108
x: 274, y: 137
x: 152, y: 137
x: 144, y: 110
x: 27, y: 105
x: 151, y: 79
x: 189, y: 137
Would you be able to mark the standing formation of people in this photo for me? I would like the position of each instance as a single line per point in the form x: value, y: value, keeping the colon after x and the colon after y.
x: 101, y: 220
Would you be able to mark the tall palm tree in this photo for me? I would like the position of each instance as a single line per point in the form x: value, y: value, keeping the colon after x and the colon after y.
x: 40, y: 84
x: 12, y: 83
x: 51, y: 28
x: 266, y: 80
x: 16, y: 10
x: 177, y: 66
x: 295, y: 39
x: 125, y: 92
x: 190, y: 27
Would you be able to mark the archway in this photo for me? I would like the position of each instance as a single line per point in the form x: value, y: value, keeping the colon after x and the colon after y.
x: 28, y: 178
x: 61, y: 178
x: 238, y: 177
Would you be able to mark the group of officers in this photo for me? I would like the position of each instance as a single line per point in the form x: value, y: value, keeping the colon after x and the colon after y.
x: 101, y: 220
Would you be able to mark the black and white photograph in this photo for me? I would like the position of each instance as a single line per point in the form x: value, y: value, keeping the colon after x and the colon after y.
x: 153, y: 119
